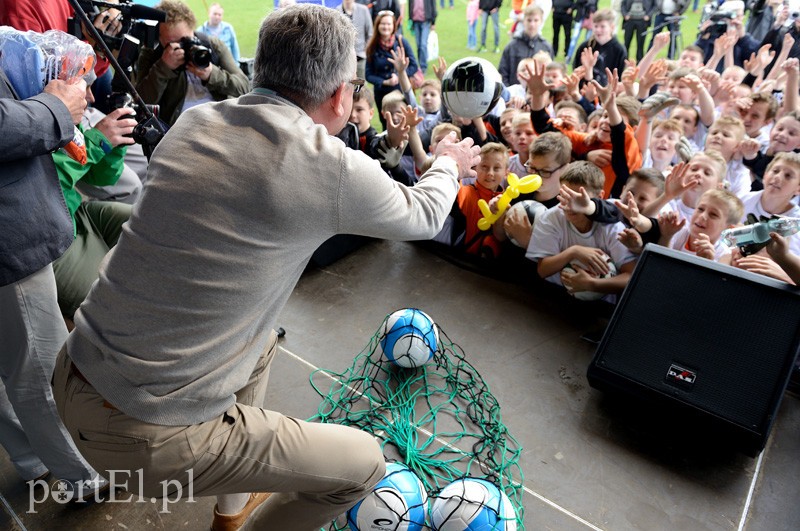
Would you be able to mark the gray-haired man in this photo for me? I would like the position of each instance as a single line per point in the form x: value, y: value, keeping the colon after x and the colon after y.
x: 166, y: 370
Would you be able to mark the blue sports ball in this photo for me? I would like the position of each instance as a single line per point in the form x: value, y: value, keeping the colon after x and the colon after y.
x: 409, y: 338
x: 397, y: 503
x: 472, y: 504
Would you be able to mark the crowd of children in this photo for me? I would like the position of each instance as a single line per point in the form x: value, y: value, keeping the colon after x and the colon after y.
x: 658, y: 152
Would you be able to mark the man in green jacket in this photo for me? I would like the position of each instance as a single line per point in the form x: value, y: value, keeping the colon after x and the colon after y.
x: 167, y: 75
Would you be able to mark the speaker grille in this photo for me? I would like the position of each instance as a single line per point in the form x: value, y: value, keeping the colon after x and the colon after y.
x: 706, y: 336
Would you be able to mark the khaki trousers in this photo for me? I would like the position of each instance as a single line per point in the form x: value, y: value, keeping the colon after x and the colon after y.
x: 317, y: 471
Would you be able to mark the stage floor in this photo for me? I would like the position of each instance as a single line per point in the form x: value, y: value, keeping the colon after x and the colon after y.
x: 587, y: 465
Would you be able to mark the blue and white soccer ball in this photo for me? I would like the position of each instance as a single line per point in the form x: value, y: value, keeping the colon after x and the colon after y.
x: 397, y: 503
x: 409, y: 338
x: 471, y: 87
x: 472, y: 504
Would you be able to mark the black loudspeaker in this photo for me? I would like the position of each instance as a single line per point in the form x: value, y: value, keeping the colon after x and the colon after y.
x: 706, y: 340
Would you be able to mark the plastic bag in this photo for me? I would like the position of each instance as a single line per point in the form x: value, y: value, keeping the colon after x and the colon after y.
x: 31, y: 60
x: 433, y: 46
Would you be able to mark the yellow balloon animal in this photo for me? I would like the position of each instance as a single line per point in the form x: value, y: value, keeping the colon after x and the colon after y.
x: 516, y: 186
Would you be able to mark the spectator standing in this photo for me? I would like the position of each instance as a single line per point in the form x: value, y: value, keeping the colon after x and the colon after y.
x: 665, y: 9
x: 523, y: 46
x: 36, y: 230
x: 422, y: 14
x: 362, y: 20
x: 490, y: 9
x: 745, y: 44
x: 216, y: 27
x: 169, y: 78
x: 473, y: 13
x: 635, y: 20
x: 563, y: 11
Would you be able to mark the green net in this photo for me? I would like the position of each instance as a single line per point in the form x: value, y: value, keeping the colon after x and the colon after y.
x: 440, y: 419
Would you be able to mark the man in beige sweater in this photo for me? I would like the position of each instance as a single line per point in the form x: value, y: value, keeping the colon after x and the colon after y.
x: 166, y: 370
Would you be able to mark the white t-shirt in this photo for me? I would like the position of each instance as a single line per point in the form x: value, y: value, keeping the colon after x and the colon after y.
x: 680, y: 242
x: 196, y: 92
x: 752, y: 205
x: 738, y: 177
x: 552, y: 234
x: 683, y: 210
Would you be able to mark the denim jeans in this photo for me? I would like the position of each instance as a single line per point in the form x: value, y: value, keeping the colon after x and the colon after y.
x: 495, y: 24
x: 576, y: 34
x: 472, y: 34
x: 31, y: 333
x: 421, y: 31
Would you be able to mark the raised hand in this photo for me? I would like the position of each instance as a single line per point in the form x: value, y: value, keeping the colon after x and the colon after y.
x: 630, y: 210
x: 669, y: 223
x: 398, y: 59
x: 609, y: 92
x: 749, y: 148
x: 396, y: 132
x: 573, y: 202
x: 410, y: 116
x: 440, y: 69
x: 631, y: 239
x: 588, y: 60
x: 678, y: 181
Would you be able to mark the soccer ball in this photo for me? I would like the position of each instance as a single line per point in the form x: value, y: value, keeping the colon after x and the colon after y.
x: 531, y: 208
x: 397, y: 503
x: 472, y: 504
x: 590, y: 295
x: 409, y: 338
x: 471, y: 87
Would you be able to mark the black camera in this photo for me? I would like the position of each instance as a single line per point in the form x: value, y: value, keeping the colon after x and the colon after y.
x: 719, y: 22
x: 144, y: 133
x: 195, y: 52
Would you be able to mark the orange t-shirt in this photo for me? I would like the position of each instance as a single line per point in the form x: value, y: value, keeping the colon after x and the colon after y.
x: 467, y: 199
x: 632, y: 153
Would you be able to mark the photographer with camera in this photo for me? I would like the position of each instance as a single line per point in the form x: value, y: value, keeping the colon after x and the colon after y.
x: 776, y: 36
x: 728, y: 19
x: 186, y: 68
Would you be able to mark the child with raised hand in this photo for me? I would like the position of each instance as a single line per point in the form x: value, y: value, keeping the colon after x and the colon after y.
x: 687, y: 182
x: 560, y: 238
x: 716, y: 211
x: 783, y: 138
x: 491, y: 171
x: 643, y: 186
x: 591, y: 144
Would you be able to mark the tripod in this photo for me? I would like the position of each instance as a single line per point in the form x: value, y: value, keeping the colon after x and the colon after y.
x: 673, y: 23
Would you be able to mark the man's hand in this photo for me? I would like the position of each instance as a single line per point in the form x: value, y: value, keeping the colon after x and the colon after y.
x: 173, y: 56
x: 202, y: 73
x: 73, y: 96
x: 115, y: 126
x: 466, y: 154
x: 573, y: 202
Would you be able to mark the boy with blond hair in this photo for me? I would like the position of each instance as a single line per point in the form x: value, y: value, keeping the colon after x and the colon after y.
x: 717, y: 210
x: 521, y: 138
x: 687, y: 182
x: 611, y: 54
x: 561, y: 238
x: 725, y: 136
x: 528, y: 43
x: 491, y: 172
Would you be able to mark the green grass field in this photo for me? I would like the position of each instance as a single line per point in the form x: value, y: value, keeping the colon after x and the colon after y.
x: 451, y: 26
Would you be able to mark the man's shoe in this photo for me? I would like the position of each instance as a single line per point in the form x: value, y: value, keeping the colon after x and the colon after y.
x: 483, y: 49
x: 233, y: 522
x: 497, y: 50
